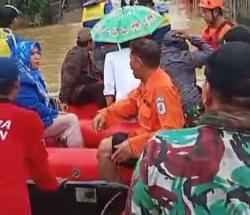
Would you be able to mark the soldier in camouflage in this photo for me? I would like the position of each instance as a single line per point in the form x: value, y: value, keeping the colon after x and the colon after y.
x: 203, y: 170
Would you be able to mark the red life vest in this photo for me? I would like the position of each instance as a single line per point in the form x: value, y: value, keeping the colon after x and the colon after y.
x: 211, y: 35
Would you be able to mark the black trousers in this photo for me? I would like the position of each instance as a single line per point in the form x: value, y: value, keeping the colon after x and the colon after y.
x: 117, y: 139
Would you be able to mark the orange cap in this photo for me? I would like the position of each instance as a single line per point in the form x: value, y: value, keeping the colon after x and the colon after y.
x: 211, y: 4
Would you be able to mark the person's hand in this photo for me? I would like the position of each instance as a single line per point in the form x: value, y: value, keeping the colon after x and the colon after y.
x: 98, y: 122
x: 183, y: 35
x: 64, y: 106
x: 123, y: 152
x: 110, y: 100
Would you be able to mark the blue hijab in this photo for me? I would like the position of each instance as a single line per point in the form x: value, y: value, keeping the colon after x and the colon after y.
x: 22, y: 55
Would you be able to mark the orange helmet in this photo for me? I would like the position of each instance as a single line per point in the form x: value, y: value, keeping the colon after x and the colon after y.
x: 211, y: 4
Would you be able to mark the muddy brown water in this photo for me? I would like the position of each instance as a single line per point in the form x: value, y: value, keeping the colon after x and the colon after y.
x: 56, y: 40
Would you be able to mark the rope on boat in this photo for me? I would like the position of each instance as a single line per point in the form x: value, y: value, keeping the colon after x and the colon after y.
x: 110, y: 202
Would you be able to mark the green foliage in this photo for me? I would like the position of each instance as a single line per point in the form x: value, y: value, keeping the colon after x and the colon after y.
x: 33, y: 8
x: 38, y: 11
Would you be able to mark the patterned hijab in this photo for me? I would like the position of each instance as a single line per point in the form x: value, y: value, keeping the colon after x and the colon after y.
x: 22, y: 55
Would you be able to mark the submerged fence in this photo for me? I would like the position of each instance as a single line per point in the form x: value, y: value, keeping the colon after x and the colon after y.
x: 239, y: 10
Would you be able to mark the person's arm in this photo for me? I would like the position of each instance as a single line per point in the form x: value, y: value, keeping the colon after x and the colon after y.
x: 169, y: 111
x: 109, y: 100
x: 199, y: 58
x: 36, y: 155
x: 165, y: 162
x: 71, y: 71
x: 29, y: 99
x: 109, y: 80
x: 121, y: 110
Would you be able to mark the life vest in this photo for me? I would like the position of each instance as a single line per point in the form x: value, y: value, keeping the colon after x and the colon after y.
x: 166, y: 20
x: 93, y: 12
x: 211, y: 35
x: 5, y: 35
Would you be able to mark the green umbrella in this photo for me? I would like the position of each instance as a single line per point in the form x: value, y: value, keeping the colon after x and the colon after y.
x: 125, y: 24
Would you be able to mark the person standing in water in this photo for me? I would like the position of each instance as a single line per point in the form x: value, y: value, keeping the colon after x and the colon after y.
x: 9, y: 22
x: 217, y: 25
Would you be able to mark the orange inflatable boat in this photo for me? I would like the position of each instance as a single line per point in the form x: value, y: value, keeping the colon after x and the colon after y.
x: 92, y: 139
x: 80, y: 164
x: 85, y: 192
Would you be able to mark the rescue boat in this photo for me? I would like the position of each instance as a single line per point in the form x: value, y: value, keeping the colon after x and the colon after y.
x: 82, y: 164
x: 84, y: 192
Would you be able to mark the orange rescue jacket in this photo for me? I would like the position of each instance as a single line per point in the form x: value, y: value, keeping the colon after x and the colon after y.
x: 212, y: 35
x: 157, y: 106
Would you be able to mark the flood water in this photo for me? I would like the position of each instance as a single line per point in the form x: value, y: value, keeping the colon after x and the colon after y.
x: 56, y: 40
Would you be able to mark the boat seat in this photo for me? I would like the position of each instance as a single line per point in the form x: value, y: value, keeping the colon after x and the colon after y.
x: 87, y: 111
x: 92, y: 138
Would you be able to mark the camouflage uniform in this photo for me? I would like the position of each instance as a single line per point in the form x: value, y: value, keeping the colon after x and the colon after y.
x: 196, y: 171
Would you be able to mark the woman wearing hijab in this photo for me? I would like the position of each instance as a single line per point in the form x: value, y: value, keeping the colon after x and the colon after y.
x: 34, y: 95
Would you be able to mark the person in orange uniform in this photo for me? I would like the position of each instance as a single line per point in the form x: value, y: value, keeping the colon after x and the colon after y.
x: 217, y: 25
x: 155, y: 103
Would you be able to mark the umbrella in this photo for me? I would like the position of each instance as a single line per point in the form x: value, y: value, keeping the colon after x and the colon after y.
x: 125, y: 24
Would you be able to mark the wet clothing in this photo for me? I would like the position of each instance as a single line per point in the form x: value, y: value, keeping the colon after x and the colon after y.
x: 212, y: 35
x: 22, y: 156
x: 157, y: 106
x: 119, y: 80
x: 197, y: 171
x: 81, y: 83
x: 181, y: 64
x: 33, y: 93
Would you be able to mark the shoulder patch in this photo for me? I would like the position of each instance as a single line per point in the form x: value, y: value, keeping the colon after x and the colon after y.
x: 161, y: 107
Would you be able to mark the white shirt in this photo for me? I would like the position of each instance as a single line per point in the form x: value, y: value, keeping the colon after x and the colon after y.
x: 118, y: 76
